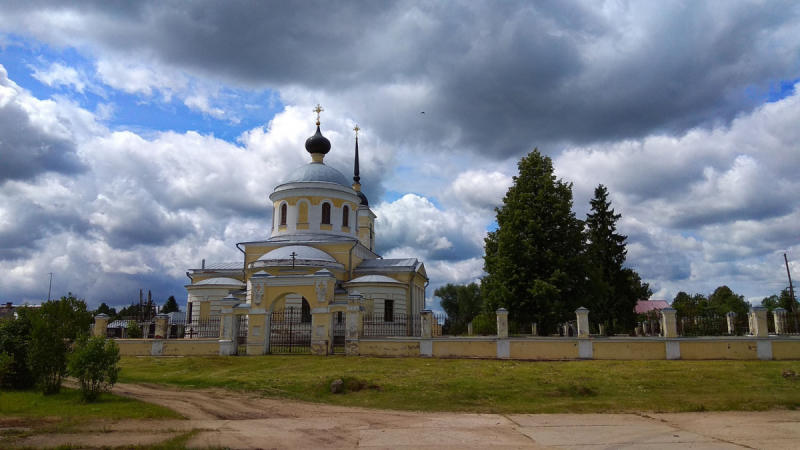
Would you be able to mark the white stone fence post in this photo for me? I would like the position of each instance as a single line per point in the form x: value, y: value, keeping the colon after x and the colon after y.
x: 502, y: 323
x: 731, y: 316
x: 758, y: 321
x: 669, y: 323
x: 583, y: 322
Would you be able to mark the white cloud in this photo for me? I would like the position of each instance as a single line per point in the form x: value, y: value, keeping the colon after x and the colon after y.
x: 58, y: 74
x: 201, y: 103
x: 480, y: 189
x: 137, y: 78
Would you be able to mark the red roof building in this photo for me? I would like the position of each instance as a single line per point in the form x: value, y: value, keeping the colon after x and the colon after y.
x: 645, y: 306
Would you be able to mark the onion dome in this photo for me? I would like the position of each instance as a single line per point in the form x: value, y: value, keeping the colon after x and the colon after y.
x: 318, y: 143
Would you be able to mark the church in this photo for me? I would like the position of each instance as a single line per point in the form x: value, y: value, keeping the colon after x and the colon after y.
x: 321, y: 250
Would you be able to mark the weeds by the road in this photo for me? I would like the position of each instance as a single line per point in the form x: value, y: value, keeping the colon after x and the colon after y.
x: 69, y: 404
x: 489, y: 386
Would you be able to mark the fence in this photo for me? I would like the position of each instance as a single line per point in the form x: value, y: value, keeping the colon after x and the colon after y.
x: 702, y: 325
x: 789, y: 323
x: 203, y: 328
x: 376, y: 325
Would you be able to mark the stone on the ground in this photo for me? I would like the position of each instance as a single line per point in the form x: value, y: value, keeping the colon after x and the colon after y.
x: 336, y: 386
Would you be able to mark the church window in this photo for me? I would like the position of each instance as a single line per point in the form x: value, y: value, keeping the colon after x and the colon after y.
x: 326, y: 213
x: 189, y: 312
x: 339, y: 317
x: 283, y: 214
x: 346, y: 216
x: 305, y: 315
x: 388, y: 310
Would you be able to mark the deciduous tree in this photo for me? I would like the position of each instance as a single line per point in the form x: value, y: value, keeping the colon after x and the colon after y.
x: 461, y: 303
x: 55, y: 326
x: 534, y: 260
x: 94, y: 363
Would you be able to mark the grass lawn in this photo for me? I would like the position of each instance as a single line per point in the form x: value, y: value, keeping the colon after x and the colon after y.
x: 488, y: 386
x: 68, y: 404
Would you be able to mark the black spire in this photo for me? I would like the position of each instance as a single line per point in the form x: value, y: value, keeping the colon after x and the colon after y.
x: 356, y: 177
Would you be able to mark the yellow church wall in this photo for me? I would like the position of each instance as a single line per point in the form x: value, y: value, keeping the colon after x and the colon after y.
x: 302, y: 214
x: 388, y: 348
x: 316, y: 200
x: 544, y: 349
x: 465, y: 349
x: 629, y: 350
x: 134, y: 347
x: 190, y: 347
x: 719, y: 350
x: 786, y: 349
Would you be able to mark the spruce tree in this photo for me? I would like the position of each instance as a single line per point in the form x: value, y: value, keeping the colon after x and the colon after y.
x: 534, y: 260
x: 171, y: 305
x: 615, y: 289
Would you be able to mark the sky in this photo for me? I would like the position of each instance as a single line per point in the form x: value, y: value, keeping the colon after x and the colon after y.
x: 139, y: 138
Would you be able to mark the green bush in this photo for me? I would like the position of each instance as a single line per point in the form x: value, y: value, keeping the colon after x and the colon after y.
x: 484, y: 324
x: 6, y: 363
x: 134, y: 331
x: 94, y: 363
x: 54, y: 327
x: 15, y: 337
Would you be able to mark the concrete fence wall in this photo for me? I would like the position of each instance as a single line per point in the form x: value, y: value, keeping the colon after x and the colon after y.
x: 759, y: 346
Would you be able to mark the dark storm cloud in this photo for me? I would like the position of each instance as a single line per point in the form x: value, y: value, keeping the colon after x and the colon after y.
x: 32, y: 222
x: 530, y: 73
x: 27, y: 150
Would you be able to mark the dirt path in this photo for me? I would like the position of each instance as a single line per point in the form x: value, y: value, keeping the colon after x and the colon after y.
x: 240, y: 420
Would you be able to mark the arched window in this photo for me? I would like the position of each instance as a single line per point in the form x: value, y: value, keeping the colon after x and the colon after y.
x: 346, y: 216
x: 283, y: 214
x: 326, y: 213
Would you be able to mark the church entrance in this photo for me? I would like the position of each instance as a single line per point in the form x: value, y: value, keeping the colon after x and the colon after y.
x: 290, y: 330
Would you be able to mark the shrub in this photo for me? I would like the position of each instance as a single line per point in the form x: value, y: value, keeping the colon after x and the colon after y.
x: 94, y: 363
x: 6, y: 362
x: 47, y: 356
x: 15, y: 337
x: 134, y: 331
x: 484, y: 324
x: 54, y: 327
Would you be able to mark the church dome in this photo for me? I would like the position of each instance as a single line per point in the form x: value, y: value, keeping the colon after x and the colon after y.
x: 363, y: 198
x: 317, y: 172
x: 303, y: 256
x: 318, y: 143
x: 302, y: 252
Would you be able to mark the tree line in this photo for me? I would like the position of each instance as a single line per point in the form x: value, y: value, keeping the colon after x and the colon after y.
x: 135, y: 309
x: 542, y: 262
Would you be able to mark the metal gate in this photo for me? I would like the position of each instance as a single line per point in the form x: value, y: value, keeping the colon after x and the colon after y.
x: 338, y: 333
x: 290, y: 332
x: 241, y: 334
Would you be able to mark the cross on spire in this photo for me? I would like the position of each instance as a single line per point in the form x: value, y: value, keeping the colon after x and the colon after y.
x: 318, y: 110
x: 293, y: 255
x: 356, y: 130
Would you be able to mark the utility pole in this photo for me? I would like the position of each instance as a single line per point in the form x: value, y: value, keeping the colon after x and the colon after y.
x: 791, y: 288
x: 51, y: 286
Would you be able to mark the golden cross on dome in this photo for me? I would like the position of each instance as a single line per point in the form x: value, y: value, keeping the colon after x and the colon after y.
x: 356, y: 130
x: 318, y: 110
